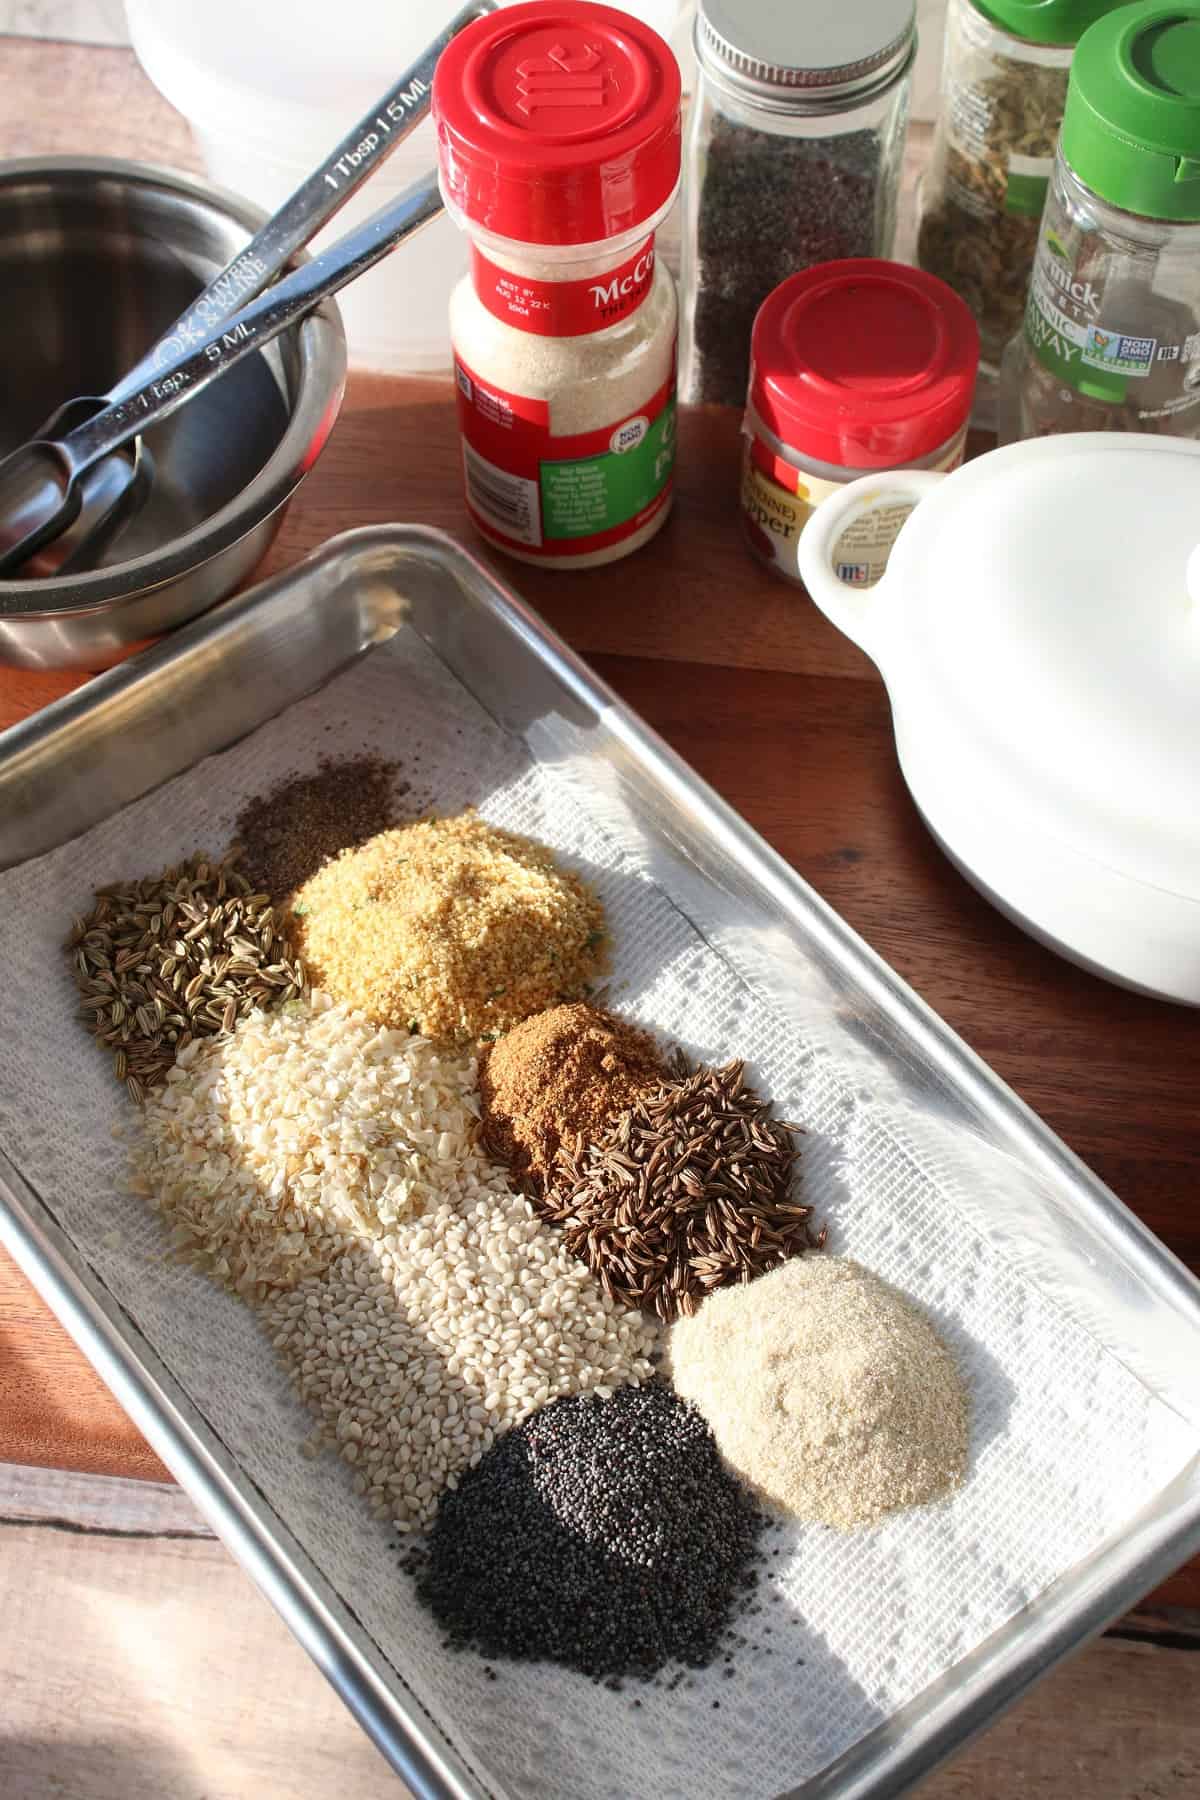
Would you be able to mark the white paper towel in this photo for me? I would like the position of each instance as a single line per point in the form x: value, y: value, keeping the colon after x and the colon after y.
x: 1067, y: 1444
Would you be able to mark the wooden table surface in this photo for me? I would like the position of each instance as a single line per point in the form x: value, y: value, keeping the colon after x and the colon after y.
x: 746, y: 679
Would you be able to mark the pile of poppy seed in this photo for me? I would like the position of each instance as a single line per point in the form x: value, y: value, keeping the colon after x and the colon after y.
x: 602, y: 1534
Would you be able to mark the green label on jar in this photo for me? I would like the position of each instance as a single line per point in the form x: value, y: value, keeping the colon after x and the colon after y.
x: 590, y: 494
x: 1025, y: 186
x: 1060, y: 322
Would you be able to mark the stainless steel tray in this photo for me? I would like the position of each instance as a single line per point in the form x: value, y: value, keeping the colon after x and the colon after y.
x: 218, y: 679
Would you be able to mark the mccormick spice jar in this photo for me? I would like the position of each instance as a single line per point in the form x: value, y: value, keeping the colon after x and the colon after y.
x: 1112, y: 323
x: 795, y: 142
x: 558, y: 147
x: 856, y: 366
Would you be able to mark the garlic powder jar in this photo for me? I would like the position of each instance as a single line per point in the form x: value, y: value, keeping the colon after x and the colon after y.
x: 558, y: 148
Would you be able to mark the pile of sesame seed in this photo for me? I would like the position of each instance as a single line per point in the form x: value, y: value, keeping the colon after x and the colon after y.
x: 418, y: 1354
x: 328, y: 1170
x: 603, y: 1534
x: 266, y: 1149
x: 450, y: 927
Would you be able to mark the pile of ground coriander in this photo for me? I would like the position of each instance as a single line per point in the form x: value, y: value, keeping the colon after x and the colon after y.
x: 828, y: 1391
x: 449, y: 927
x: 563, y: 1074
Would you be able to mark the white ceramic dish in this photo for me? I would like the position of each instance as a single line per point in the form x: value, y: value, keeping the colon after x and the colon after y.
x: 1038, y: 629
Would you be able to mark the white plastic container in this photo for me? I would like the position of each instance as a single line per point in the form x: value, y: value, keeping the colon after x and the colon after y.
x: 268, y: 89
x: 1038, y: 628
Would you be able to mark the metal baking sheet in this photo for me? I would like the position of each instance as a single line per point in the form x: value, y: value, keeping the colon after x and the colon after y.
x: 85, y: 757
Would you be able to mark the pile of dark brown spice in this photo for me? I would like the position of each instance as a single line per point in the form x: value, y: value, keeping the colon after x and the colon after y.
x: 285, y: 836
x: 687, y: 1191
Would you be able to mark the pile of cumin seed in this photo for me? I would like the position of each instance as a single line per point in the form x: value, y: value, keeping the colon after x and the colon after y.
x: 687, y: 1191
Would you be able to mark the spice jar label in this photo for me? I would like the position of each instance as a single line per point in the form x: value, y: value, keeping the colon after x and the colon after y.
x: 778, y: 500
x: 562, y: 497
x: 1154, y: 372
x: 564, y: 308
x: 773, y: 517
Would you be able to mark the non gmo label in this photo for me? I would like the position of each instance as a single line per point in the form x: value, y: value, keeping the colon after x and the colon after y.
x: 1123, y: 355
x: 1155, y: 374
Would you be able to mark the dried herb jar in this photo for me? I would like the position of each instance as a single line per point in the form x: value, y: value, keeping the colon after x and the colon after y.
x: 857, y: 367
x: 1111, y: 340
x: 1004, y: 89
x: 793, y: 157
x: 559, y: 148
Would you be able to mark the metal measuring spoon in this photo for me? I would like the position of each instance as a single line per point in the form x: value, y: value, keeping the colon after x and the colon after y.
x: 111, y: 494
x: 39, y: 482
x: 95, y: 510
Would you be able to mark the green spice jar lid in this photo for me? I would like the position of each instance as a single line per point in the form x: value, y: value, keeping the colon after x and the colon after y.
x: 811, y: 57
x: 1061, y: 22
x: 1131, y: 129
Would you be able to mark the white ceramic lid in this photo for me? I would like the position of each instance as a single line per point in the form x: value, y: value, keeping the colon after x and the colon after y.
x: 1039, y: 631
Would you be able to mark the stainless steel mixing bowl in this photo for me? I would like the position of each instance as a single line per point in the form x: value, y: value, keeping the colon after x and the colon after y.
x: 97, y: 257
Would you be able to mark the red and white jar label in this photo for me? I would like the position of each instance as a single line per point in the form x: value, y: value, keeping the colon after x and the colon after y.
x: 778, y: 500
x: 561, y: 497
x: 564, y: 308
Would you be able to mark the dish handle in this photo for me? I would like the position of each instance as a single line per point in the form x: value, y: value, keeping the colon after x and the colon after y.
x: 853, y: 609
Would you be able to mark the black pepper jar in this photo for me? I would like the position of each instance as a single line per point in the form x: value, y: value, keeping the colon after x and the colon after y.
x: 793, y: 158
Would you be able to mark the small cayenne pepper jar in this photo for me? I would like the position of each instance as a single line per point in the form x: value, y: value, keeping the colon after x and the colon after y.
x: 855, y: 367
x: 558, y: 130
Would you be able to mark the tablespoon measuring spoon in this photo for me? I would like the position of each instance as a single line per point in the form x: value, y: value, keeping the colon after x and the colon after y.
x: 38, y: 480
x: 102, y: 505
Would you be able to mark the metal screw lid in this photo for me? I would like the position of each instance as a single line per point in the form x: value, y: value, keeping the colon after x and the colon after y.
x: 802, y: 55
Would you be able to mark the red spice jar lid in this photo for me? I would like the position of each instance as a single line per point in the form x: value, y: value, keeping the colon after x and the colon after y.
x: 557, y: 123
x: 863, y: 363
